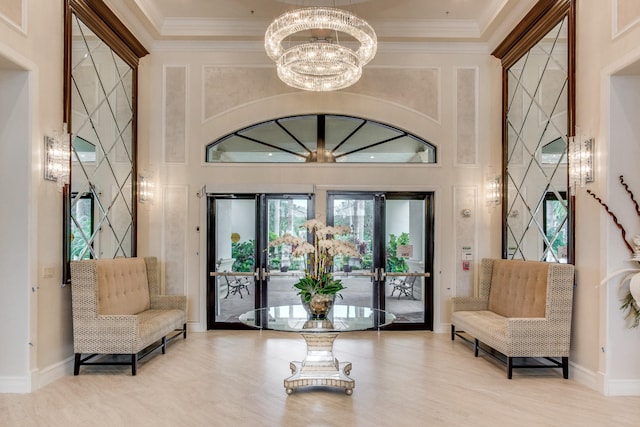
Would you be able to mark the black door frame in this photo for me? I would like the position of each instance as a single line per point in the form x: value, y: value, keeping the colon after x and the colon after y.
x: 260, y: 255
x: 380, y: 198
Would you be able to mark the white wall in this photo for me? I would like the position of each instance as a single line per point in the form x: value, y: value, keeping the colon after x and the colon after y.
x: 206, y: 92
x: 14, y: 245
x: 607, y: 108
x: 39, y: 331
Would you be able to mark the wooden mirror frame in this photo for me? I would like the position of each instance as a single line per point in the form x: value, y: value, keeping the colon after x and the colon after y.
x: 534, y: 26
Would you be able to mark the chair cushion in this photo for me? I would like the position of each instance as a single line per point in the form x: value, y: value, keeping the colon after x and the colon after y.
x: 519, y: 288
x: 122, y: 286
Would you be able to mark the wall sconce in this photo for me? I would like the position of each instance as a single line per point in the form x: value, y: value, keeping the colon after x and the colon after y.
x: 146, y: 188
x: 57, y: 156
x: 580, y: 161
x: 493, y: 188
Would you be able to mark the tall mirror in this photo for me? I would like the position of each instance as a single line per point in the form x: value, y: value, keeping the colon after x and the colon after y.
x: 538, y: 120
x: 100, y: 109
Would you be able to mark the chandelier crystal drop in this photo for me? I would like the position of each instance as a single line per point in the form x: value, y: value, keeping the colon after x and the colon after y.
x: 320, y: 65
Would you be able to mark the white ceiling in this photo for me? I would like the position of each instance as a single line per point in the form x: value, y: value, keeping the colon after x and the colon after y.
x: 407, y: 21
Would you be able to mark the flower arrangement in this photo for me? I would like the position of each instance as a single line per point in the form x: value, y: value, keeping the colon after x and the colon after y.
x: 631, y: 301
x: 323, y: 247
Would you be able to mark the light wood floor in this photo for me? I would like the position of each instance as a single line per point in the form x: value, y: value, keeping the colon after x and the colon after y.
x: 235, y: 378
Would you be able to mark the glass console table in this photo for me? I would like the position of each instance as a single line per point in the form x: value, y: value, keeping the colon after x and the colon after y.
x: 320, y: 367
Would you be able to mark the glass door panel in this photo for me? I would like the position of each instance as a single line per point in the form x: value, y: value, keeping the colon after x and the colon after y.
x: 405, y: 258
x: 356, y: 273
x: 284, y: 215
x: 393, y: 233
x: 233, y: 258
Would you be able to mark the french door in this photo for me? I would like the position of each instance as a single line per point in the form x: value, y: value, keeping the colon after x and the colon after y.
x: 393, y: 233
x: 244, y: 272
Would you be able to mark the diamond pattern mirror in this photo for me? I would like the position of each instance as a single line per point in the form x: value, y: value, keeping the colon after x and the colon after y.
x: 102, y: 199
x: 538, y: 93
x: 537, y: 151
x: 101, y: 60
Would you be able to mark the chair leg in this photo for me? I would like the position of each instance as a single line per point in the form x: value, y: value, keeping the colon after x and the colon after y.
x: 164, y: 345
x: 509, y: 367
x: 184, y: 331
x: 134, y: 364
x: 76, y: 364
x: 475, y: 347
x: 453, y: 332
x: 565, y: 368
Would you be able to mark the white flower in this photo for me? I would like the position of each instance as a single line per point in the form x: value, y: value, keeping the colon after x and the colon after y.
x: 322, y: 249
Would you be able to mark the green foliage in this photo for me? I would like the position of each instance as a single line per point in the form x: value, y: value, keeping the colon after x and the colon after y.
x: 244, y: 254
x: 633, y: 311
x: 327, y: 285
x: 297, y: 264
x: 367, y: 261
x: 81, y: 232
x: 274, y: 263
x: 394, y: 263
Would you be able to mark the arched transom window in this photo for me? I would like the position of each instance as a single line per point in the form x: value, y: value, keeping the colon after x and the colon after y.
x: 320, y: 138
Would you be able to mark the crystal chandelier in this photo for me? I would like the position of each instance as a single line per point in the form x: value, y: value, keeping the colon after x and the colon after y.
x: 321, y: 64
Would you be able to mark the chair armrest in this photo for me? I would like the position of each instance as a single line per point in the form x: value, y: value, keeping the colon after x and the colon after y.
x: 469, y: 304
x: 112, y: 333
x: 539, y: 336
x: 111, y: 323
x: 176, y: 302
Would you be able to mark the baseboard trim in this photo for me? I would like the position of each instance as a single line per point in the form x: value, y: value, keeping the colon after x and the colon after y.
x: 15, y: 385
x: 610, y: 387
x: 196, y: 327
x: 47, y: 375
x: 583, y: 376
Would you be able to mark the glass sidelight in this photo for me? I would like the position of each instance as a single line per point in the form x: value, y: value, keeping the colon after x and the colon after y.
x: 393, y: 233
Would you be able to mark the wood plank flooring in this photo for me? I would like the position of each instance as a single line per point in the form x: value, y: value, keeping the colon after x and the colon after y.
x: 235, y: 378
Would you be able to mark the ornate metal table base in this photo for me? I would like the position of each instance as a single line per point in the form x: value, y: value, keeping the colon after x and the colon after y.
x: 320, y: 367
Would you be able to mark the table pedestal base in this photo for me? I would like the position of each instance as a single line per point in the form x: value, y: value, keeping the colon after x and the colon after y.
x: 320, y: 367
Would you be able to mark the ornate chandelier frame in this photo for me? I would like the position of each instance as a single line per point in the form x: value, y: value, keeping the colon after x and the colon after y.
x: 320, y: 65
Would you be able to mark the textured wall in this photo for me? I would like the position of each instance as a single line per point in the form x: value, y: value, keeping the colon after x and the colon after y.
x: 175, y: 113
x: 466, y: 116
x: 11, y: 10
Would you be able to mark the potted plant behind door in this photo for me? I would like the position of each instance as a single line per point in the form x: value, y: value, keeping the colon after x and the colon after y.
x: 318, y: 288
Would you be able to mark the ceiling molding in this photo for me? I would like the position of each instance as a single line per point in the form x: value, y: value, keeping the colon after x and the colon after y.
x: 213, y: 27
x: 151, y: 12
x: 427, y: 28
x: 383, y: 47
x: 230, y: 27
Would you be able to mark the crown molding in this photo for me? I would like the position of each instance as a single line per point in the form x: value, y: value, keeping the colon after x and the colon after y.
x: 383, y: 47
x: 231, y: 27
x: 212, y: 27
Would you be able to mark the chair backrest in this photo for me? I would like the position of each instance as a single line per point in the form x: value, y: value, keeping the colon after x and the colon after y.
x: 111, y: 286
x: 123, y: 287
x: 516, y: 288
x: 519, y: 288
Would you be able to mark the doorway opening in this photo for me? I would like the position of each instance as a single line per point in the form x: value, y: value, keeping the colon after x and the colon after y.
x: 393, y: 233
